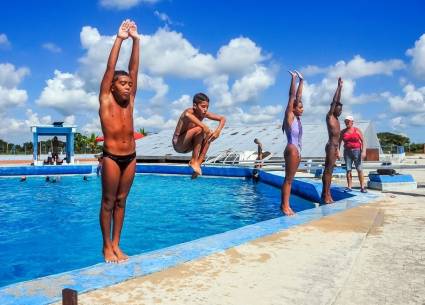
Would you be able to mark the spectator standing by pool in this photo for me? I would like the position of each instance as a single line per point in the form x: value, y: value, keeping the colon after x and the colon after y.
x: 354, y: 151
x: 117, y: 94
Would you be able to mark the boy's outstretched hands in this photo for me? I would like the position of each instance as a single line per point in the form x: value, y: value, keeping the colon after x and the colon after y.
x: 123, y: 30
x: 214, y: 135
x: 132, y: 31
x: 128, y: 28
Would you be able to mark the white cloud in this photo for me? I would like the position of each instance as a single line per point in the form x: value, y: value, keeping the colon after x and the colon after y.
x: 256, y: 115
x: 155, y: 84
x: 69, y: 120
x: 33, y: 119
x: 412, y: 102
x: 66, y: 94
x: 398, y: 123
x: 163, y: 17
x: 50, y: 46
x: 15, y: 130
x: 238, y: 56
x: 237, y: 75
x: 218, y: 90
x: 10, y: 78
x: 356, y: 68
x: 93, y: 126
x: 123, y: 4
x: 179, y: 105
x: 418, y: 57
x: 4, y: 41
x: 250, y: 85
x: 418, y: 119
x: 168, y: 53
x: 154, y: 121
x: 408, y: 110
x: 12, y: 97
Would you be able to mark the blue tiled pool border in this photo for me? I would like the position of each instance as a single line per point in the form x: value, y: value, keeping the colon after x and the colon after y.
x: 48, y: 289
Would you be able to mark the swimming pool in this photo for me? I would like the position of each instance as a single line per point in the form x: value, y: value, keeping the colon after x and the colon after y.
x: 47, y: 228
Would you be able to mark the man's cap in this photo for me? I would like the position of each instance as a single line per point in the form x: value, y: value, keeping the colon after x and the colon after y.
x: 349, y: 118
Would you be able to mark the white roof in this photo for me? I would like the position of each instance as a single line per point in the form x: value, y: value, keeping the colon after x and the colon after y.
x: 241, y: 138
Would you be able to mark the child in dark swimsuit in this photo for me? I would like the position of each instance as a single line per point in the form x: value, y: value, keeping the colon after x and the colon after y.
x: 193, y: 135
x: 117, y: 94
x: 332, y: 147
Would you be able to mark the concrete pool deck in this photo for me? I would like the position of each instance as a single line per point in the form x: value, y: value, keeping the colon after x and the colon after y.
x: 370, y: 254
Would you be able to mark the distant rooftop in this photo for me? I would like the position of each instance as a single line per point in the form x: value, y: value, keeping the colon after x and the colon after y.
x: 241, y: 138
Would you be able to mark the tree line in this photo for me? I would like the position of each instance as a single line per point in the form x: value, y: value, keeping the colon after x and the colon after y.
x: 83, y: 144
x: 390, y: 141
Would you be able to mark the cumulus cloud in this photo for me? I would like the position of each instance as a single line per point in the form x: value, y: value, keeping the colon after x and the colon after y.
x: 418, y: 57
x: 257, y: 114
x: 238, y: 56
x: 418, y: 119
x: 154, y: 121
x: 66, y: 94
x: 250, y: 85
x: 398, y: 123
x: 12, y: 97
x: 92, y: 126
x: 356, y: 68
x: 179, y: 105
x: 236, y: 75
x: 10, y: 78
x: 409, y: 109
x: 413, y: 100
x: 4, y: 41
x: 155, y: 84
x: 167, y: 53
x: 319, y: 95
x: 163, y: 17
x: 124, y: 4
x: 12, y: 129
x: 50, y: 46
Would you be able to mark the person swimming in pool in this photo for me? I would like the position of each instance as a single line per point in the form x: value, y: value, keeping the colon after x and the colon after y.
x: 293, y: 129
x: 192, y: 134
x: 332, y: 147
x: 117, y: 94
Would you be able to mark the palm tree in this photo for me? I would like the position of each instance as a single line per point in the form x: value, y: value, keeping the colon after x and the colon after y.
x: 142, y: 131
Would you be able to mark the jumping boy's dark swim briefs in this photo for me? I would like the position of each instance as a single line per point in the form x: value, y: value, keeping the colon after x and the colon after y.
x: 121, y: 161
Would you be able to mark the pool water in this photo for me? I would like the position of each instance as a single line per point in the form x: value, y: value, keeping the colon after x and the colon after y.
x: 48, y: 228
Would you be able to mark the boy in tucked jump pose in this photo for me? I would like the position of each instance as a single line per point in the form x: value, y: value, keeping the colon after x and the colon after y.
x: 117, y: 93
x: 193, y: 135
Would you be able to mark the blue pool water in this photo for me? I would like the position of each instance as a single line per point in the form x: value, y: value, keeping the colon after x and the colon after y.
x: 47, y: 228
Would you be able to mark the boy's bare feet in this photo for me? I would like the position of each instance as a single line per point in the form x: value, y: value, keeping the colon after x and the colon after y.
x: 300, y: 76
x: 287, y: 210
x: 109, y: 255
x: 327, y: 199
x: 292, y: 73
x: 196, y: 167
x: 121, y: 256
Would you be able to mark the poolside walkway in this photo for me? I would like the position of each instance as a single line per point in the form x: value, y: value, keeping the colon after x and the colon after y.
x: 372, y: 254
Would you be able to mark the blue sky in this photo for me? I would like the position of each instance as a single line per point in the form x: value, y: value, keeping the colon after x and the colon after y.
x: 53, y: 54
